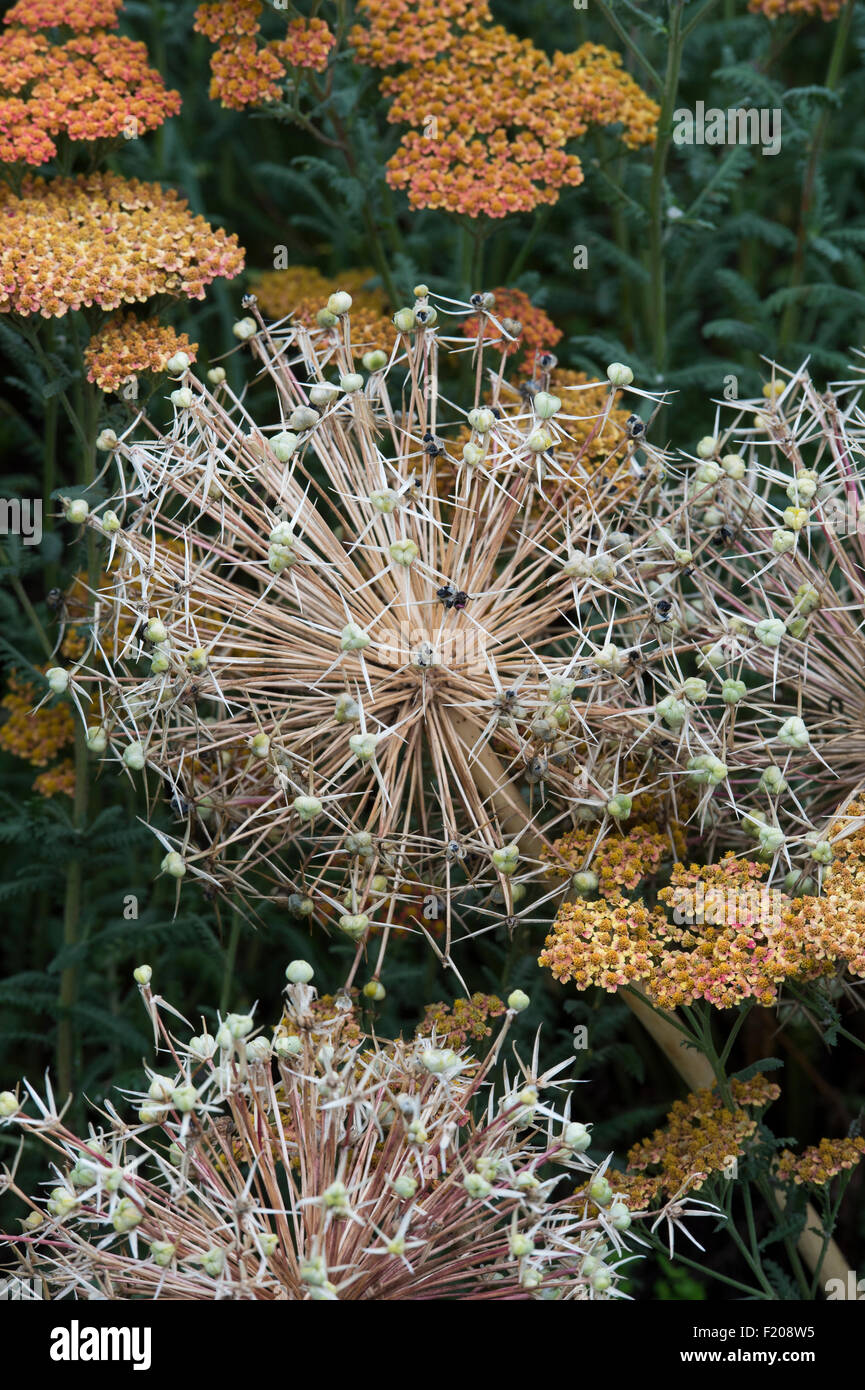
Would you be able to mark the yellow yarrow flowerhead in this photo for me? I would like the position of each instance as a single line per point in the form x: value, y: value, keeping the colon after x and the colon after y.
x: 98, y: 239
x: 819, y: 1164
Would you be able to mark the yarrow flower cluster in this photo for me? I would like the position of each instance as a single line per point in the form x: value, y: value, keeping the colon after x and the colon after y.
x: 495, y: 112
x: 247, y: 71
x: 78, y: 15
x: 103, y: 240
x: 618, y: 861
x: 729, y: 942
x: 465, y: 1021
x: 38, y: 737
x: 772, y: 9
x: 127, y: 345
x: 90, y: 86
x: 320, y: 1164
x: 702, y: 1136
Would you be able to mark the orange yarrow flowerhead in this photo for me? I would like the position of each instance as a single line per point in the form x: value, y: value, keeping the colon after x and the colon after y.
x: 90, y: 86
x: 103, y: 240
x: 495, y: 111
x: 247, y: 71
x: 772, y: 9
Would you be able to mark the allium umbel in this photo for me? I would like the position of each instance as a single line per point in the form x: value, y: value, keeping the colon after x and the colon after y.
x: 317, y: 1164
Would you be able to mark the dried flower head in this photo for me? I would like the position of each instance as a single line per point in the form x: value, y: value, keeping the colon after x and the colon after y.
x: 819, y: 1164
x: 321, y: 1164
x: 385, y: 691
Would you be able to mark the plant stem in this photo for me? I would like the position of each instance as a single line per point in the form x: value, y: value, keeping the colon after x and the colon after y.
x: 230, y: 959
x: 66, y: 1031
x: 656, y: 326
x: 790, y: 321
x: 67, y: 1040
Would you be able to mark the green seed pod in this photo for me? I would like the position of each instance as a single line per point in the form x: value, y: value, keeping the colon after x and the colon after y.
x: 619, y: 806
x: 403, y: 553
x: 283, y: 445
x: 539, y: 441
x: 76, y: 511
x: 600, y: 1190
x: 339, y: 303
x: 673, y: 712
x: 374, y: 361
x: 323, y: 394
x: 173, y: 864
x: 506, y: 859
x: 734, y: 466
x: 794, y: 733
x: 546, y: 405
x: 346, y: 710
x: 733, y: 691
x: 303, y: 418
x: 363, y: 746
x: 354, y: 924
x: 133, y: 757
x: 585, y: 882
x: 353, y: 639
x: 619, y: 375
x: 196, y: 661
x: 706, y: 770
x: 481, y: 420
x: 773, y: 781
x: 695, y: 690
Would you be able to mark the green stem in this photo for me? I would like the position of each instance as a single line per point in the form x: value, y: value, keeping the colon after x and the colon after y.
x: 67, y: 1039
x: 790, y: 321
x: 21, y: 595
x: 72, y: 906
x: 656, y: 325
x: 519, y: 261
x: 230, y: 960
x: 632, y: 47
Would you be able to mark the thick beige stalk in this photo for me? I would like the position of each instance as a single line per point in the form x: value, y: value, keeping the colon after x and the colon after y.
x: 692, y: 1066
